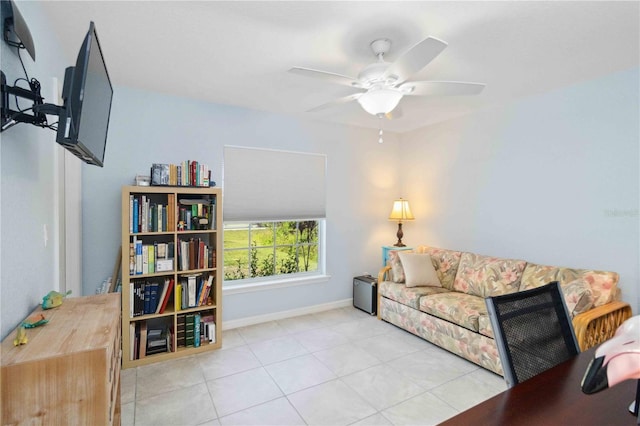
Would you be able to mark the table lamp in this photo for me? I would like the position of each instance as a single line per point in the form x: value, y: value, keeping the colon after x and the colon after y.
x: 400, y: 212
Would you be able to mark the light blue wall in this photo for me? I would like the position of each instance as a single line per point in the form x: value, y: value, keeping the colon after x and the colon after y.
x: 148, y: 128
x: 552, y: 179
x: 27, y: 187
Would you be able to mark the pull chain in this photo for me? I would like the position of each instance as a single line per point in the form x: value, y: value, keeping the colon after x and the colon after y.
x: 380, y: 127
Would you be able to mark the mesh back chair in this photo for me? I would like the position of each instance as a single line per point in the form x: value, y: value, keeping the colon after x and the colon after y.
x: 533, y: 331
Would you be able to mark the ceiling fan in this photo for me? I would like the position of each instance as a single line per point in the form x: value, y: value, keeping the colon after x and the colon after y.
x: 381, y: 85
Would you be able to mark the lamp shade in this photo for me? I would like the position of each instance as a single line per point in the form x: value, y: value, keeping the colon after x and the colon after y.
x: 379, y: 101
x: 401, y: 211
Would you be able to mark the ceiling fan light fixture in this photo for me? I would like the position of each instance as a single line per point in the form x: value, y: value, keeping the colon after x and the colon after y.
x: 380, y: 101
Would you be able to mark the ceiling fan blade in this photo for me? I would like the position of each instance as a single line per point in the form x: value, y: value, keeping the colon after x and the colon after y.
x: 415, y: 59
x: 328, y: 76
x: 441, y: 88
x: 336, y: 102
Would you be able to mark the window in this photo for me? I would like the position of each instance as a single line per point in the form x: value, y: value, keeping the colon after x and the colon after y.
x: 274, y: 210
x: 283, y: 249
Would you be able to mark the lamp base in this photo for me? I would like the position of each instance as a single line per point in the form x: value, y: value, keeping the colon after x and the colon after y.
x: 399, y: 234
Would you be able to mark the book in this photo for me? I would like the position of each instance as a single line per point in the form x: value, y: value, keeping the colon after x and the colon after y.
x: 153, y: 298
x: 147, y: 298
x: 131, y: 213
x: 192, y: 291
x: 145, y: 259
x: 152, y: 259
x: 167, y: 296
x: 196, y: 330
x: 142, y: 351
x: 189, y: 328
x: 178, y: 298
x: 135, y: 216
x: 181, y: 331
x: 162, y: 292
x: 205, y: 292
x: 138, y: 257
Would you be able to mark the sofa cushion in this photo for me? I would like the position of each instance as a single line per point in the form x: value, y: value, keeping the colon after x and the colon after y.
x: 577, y: 296
x: 603, y: 284
x: 418, y: 270
x: 484, y: 326
x: 535, y: 275
x: 459, y: 308
x: 397, y: 271
x: 409, y: 296
x: 487, y: 276
x: 445, y: 261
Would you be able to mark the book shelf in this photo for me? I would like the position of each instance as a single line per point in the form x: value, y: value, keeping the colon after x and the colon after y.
x: 171, y: 272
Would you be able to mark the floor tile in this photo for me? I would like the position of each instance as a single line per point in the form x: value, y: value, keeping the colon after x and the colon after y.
x: 424, y: 409
x: 225, y: 362
x: 214, y: 422
x: 127, y: 412
x: 382, y: 387
x: 360, y: 329
x: 187, y: 406
x: 278, y: 412
x: 320, y: 338
x: 300, y: 323
x: 127, y: 385
x: 299, y: 373
x: 264, y: 331
x: 243, y: 390
x: 431, y: 368
x: 278, y: 349
x: 375, y: 420
x: 336, y: 316
x: 346, y: 359
x: 331, y: 403
x: 155, y: 379
x: 389, y: 347
x: 470, y: 389
x: 232, y: 339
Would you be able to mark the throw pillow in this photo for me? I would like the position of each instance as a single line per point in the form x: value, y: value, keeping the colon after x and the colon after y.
x: 578, y: 296
x: 419, y: 270
x: 397, y: 272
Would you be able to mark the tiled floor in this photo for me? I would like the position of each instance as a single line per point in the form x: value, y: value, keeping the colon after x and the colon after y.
x: 338, y: 367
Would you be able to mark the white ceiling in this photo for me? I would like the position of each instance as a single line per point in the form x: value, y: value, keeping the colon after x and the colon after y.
x: 238, y: 53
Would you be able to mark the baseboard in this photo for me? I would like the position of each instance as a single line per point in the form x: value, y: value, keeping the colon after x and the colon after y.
x: 243, y: 322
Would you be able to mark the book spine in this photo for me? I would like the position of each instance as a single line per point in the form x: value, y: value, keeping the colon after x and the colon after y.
x: 135, y: 216
x: 138, y: 257
x: 152, y: 259
x: 196, y: 330
x: 130, y: 213
x: 145, y: 259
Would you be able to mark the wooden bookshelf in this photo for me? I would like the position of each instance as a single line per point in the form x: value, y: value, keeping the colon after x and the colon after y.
x: 69, y: 370
x: 195, y: 247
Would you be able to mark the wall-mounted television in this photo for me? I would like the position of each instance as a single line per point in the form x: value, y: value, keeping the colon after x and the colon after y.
x: 87, y: 94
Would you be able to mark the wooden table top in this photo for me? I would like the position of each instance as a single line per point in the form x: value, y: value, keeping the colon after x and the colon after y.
x: 555, y: 398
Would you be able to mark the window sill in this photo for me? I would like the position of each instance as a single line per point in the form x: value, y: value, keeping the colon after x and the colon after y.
x: 272, y: 284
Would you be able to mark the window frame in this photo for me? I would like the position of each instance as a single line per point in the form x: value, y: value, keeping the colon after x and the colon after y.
x: 279, y: 280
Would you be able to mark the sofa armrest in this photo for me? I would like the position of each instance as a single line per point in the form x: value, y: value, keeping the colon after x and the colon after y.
x: 599, y: 324
x: 382, y: 276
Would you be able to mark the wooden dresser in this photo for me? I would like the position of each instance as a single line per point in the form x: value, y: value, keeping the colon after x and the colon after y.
x: 69, y: 371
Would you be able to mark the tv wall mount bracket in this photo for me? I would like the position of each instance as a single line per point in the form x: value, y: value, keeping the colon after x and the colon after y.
x: 39, y: 109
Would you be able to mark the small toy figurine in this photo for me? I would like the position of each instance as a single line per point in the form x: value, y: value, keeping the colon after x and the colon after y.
x: 21, y: 337
x: 34, y: 320
x: 53, y: 299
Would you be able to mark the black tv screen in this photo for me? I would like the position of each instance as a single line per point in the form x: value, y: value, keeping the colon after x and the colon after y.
x: 87, y: 95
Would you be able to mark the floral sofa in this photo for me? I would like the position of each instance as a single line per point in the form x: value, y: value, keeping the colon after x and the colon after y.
x: 439, y: 294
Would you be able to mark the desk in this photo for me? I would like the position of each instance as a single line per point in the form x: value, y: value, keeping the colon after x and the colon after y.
x: 553, y: 398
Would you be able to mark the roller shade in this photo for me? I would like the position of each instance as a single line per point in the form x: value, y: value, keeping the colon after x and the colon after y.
x: 262, y: 184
